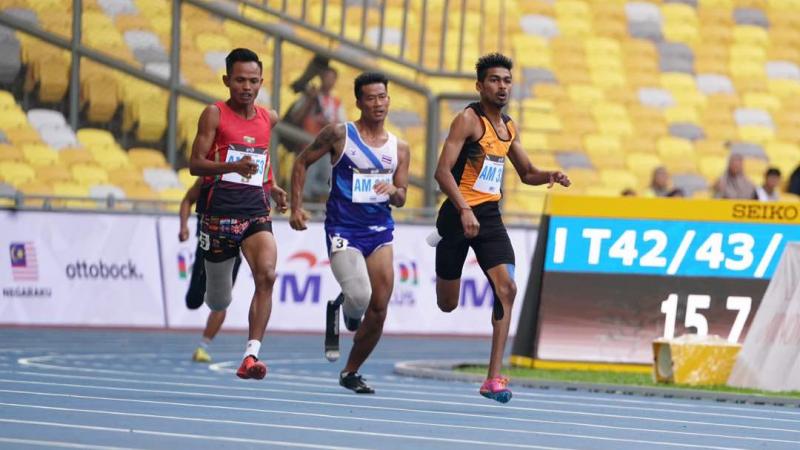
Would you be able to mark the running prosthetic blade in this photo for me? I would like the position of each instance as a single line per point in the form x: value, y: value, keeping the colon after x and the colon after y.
x: 332, y: 330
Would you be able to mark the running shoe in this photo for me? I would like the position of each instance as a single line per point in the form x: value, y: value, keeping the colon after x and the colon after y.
x: 355, y: 382
x: 252, y: 368
x: 496, y: 389
x: 201, y: 355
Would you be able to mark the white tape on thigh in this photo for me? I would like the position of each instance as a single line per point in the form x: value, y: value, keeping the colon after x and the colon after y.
x: 219, y: 283
x: 350, y: 270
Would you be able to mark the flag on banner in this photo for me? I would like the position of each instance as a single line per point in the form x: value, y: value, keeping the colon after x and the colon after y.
x: 24, y: 266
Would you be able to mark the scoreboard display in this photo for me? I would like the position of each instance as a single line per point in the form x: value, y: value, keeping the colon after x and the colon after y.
x: 610, y: 275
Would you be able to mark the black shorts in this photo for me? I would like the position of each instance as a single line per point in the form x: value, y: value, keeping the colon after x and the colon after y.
x: 221, y: 237
x: 492, y: 246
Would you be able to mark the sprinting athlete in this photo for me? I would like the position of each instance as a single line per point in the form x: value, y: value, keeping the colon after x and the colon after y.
x: 369, y: 175
x: 197, y: 284
x: 231, y: 152
x: 470, y: 173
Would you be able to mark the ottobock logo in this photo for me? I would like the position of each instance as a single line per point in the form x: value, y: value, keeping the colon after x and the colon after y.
x: 300, y: 285
x: 102, y: 270
x: 24, y: 264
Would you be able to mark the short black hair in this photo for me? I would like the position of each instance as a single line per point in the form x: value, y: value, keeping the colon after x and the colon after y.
x: 486, y: 62
x: 773, y: 171
x: 241, y: 55
x: 367, y: 78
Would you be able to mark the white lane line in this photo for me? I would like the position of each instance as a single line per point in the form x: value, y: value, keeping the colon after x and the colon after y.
x: 329, y: 383
x: 409, y: 398
x: 288, y: 427
x: 427, y: 423
x: 61, y: 444
x: 387, y: 408
x: 444, y: 387
x: 180, y: 435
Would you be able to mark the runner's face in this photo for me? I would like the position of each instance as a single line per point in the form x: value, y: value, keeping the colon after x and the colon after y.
x: 244, y: 82
x: 496, y: 87
x: 374, y: 102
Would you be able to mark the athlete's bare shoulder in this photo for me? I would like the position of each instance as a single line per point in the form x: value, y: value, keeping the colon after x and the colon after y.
x: 466, y: 124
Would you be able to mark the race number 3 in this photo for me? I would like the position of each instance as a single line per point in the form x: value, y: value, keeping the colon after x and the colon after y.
x: 205, y: 241
x: 695, y: 319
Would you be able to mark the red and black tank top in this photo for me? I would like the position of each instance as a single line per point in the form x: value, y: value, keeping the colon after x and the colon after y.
x: 236, y: 137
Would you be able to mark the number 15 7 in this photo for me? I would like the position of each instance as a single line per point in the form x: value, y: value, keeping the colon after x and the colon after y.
x: 697, y: 320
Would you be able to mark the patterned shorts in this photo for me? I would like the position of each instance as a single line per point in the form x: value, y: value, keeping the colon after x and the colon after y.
x: 221, y: 237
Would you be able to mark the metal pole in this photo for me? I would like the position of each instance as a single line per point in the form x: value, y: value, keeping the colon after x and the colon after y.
x: 383, y: 24
x: 431, y: 155
x: 363, y: 21
x: 421, y: 60
x: 502, y: 24
x: 305, y: 7
x: 75, y: 66
x: 275, y: 100
x: 481, y: 43
x: 461, y: 35
x: 174, y: 81
x: 443, y: 42
x: 405, y: 29
x: 324, y: 14
x: 342, y: 19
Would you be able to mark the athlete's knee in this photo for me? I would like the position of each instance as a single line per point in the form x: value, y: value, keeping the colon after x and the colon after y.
x: 447, y: 294
x: 378, y: 311
x: 264, y: 277
x: 506, y: 291
x: 447, y: 304
x: 219, y: 284
x: 357, y: 294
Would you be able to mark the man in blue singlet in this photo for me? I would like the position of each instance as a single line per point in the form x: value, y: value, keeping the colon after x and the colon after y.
x: 369, y: 175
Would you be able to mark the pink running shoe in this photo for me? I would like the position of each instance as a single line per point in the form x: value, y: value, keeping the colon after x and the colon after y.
x: 496, y: 389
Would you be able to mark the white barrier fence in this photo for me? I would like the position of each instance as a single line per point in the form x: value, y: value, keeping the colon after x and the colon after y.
x: 120, y: 270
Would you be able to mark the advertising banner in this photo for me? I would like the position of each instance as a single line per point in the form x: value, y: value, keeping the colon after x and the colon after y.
x: 305, y: 283
x: 80, y: 269
x: 619, y: 273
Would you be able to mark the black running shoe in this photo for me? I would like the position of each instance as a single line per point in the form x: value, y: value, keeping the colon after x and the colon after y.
x: 355, y: 382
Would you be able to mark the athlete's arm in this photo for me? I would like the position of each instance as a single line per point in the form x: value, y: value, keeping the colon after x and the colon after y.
x: 462, y: 128
x: 273, y: 118
x: 189, y: 199
x: 199, y: 165
x: 399, y: 186
x: 530, y: 174
x: 322, y: 145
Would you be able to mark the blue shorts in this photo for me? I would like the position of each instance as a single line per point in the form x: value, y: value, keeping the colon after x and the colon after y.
x: 365, y: 240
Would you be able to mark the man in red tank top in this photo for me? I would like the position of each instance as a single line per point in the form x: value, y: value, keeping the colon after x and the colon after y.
x: 231, y: 153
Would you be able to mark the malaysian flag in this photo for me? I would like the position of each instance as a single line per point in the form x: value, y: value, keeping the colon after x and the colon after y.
x: 24, y: 266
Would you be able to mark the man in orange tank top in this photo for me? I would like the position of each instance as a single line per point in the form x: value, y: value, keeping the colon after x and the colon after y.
x: 470, y: 173
x: 231, y: 153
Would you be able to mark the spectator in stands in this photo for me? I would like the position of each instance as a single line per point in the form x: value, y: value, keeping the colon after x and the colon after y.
x: 794, y: 182
x: 733, y: 183
x: 660, y: 185
x: 769, y: 191
x: 316, y: 108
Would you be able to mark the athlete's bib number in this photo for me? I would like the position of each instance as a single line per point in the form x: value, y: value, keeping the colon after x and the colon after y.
x: 338, y: 244
x: 491, y: 175
x: 364, y: 185
x: 205, y: 241
x: 257, y: 179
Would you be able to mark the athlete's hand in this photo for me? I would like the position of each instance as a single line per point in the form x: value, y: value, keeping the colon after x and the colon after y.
x: 469, y: 223
x: 245, y: 167
x: 298, y: 219
x: 558, y: 177
x: 382, y: 187
x: 184, y: 233
x: 281, y: 199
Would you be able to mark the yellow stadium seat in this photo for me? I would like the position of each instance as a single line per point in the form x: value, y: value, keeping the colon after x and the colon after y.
x: 99, y: 97
x: 147, y: 157
x: 70, y: 156
x: 784, y: 88
x: 618, y: 179
x: 640, y: 143
x: 72, y: 190
x: 173, y: 195
x: 609, y: 79
x: 602, y: 145
x: 139, y: 192
x: 16, y: 173
x: 23, y: 136
x: 674, y: 82
x: 89, y: 174
x: 711, y: 167
x: 186, y: 178
x: 782, y: 150
x: 685, y: 32
x: 681, y: 114
x: 583, y: 177
x: 690, y: 98
x: 110, y: 157
x: 756, y: 133
x: 755, y: 168
x: 7, y: 100
x: 11, y: 118
x: 678, y: 13
x: 710, y: 147
x: 39, y: 155
x: 750, y: 35
x: 543, y: 122
x: 53, y: 174
x: 10, y: 153
x: 675, y: 148
x: 585, y: 93
x: 125, y: 176
x: 642, y: 164
x: 89, y: 137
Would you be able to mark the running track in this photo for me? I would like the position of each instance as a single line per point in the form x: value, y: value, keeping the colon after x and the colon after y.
x: 138, y: 390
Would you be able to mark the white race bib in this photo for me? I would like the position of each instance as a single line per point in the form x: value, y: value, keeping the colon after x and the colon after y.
x: 259, y: 158
x: 338, y: 243
x: 491, y: 176
x: 364, y: 185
